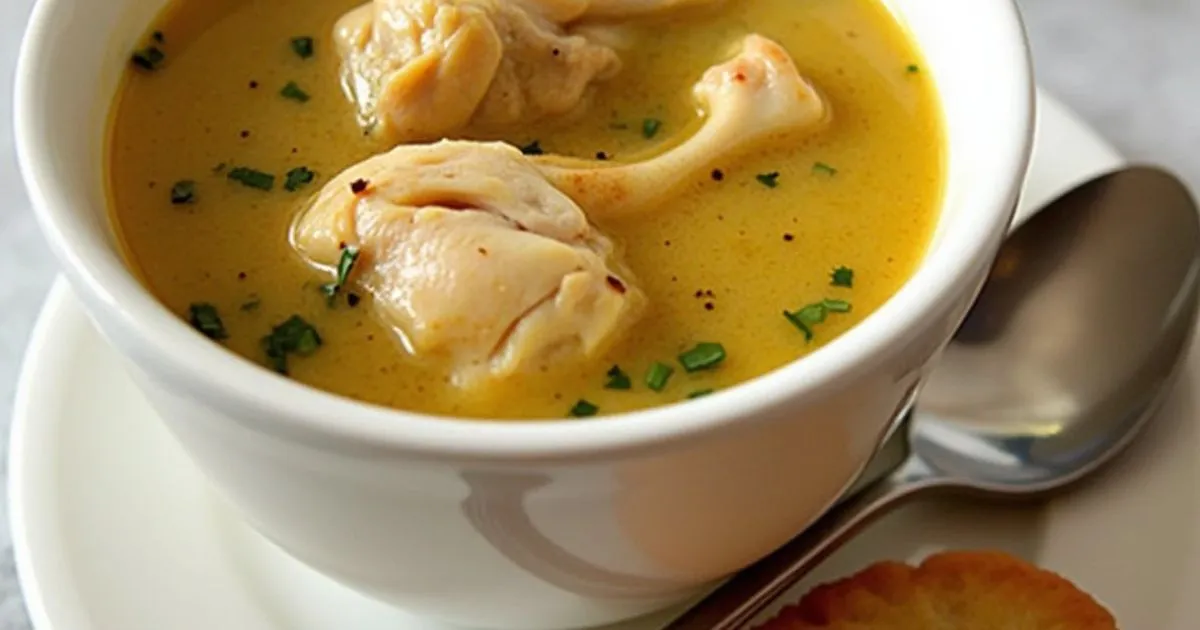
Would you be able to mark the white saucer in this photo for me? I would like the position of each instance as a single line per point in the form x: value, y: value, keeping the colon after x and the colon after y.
x: 114, y: 529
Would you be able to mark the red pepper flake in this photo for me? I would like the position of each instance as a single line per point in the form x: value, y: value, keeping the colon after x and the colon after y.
x: 616, y: 284
x: 358, y: 186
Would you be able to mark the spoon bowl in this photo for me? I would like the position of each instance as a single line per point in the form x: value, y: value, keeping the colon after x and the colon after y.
x: 1074, y: 340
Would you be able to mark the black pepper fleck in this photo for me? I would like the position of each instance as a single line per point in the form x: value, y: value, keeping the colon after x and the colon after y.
x: 353, y: 299
x: 241, y: 275
x: 357, y: 186
x: 254, y: 85
x: 789, y: 238
x: 245, y: 133
x: 717, y: 175
x: 708, y: 306
x: 600, y: 155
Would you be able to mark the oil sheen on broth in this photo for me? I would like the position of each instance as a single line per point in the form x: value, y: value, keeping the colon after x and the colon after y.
x: 720, y: 262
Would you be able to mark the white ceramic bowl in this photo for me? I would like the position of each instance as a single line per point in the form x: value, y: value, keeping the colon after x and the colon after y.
x: 519, y: 524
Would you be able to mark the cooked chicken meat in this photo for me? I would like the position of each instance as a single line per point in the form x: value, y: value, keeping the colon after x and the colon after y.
x: 421, y: 70
x: 756, y: 97
x: 484, y: 257
x: 473, y: 258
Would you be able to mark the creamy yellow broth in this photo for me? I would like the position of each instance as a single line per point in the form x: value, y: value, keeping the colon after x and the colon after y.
x: 719, y: 263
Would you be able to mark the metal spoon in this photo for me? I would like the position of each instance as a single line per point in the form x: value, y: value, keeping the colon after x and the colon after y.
x: 1066, y: 354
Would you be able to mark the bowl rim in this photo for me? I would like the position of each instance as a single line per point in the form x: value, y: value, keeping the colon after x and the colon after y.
x: 270, y: 403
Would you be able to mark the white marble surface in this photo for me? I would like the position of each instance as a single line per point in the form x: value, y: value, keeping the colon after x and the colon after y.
x: 1127, y: 65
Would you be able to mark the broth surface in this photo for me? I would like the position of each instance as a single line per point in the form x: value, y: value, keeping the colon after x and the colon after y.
x: 720, y: 263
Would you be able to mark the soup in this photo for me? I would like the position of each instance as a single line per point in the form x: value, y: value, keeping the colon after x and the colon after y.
x: 727, y: 251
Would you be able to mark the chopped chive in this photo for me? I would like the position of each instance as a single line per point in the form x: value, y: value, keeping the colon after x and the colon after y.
x: 913, y: 68
x: 183, y: 191
x: 700, y: 393
x: 842, y: 277
x: 584, y: 409
x: 303, y: 46
x: 815, y: 313
x: 252, y: 178
x: 705, y: 355
x: 821, y: 168
x: 345, y: 266
x: 836, y: 306
x: 298, y: 177
x: 618, y: 379
x: 293, y: 336
x: 650, y: 127
x: 204, y: 318
x: 149, y: 58
x: 533, y: 148
x: 658, y: 375
x: 293, y: 91
x: 770, y: 180
x: 800, y: 324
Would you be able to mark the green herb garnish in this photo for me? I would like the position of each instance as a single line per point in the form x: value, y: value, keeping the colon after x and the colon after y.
x: 842, y: 277
x: 183, y: 191
x: 252, y: 178
x: 814, y: 314
x: 705, y: 355
x: 584, y: 409
x: 533, y: 148
x: 800, y: 324
x: 204, y: 317
x: 294, y: 336
x: 913, y: 68
x: 770, y: 180
x: 345, y: 266
x: 303, y: 46
x: 149, y: 58
x: 293, y: 91
x: 297, y: 178
x: 821, y: 168
x: 650, y: 127
x: 700, y: 393
x: 658, y: 375
x: 618, y: 379
x: 836, y: 306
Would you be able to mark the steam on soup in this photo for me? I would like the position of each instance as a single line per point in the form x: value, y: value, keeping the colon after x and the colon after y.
x: 535, y: 208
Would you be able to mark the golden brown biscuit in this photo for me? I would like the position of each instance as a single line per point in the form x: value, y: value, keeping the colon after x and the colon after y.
x: 967, y: 590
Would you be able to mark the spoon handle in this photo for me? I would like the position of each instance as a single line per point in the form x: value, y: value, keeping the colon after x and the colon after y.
x: 739, y: 599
